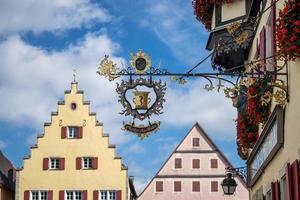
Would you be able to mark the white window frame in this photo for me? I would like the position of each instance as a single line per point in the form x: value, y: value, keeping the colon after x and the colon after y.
x: 72, y: 132
x: 74, y: 193
x: 87, y: 163
x: 56, y: 164
x: 39, y: 193
x: 109, y: 194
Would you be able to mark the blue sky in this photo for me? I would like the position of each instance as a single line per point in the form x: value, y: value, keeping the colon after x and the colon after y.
x: 41, y: 42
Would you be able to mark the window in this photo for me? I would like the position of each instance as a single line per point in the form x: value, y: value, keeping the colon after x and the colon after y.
x: 269, y: 195
x: 34, y: 195
x: 54, y: 163
x: 108, y: 195
x: 196, y: 163
x: 196, y: 142
x: 159, y: 186
x: 178, y: 163
x: 270, y: 40
x: 74, y: 195
x: 39, y: 195
x: 270, y: 141
x: 87, y: 163
x: 214, y: 186
x: 213, y: 163
x: 177, y: 186
x: 196, y: 186
x: 72, y: 132
x: 283, y: 192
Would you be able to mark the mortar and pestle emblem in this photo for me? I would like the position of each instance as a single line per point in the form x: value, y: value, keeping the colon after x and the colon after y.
x: 141, y: 100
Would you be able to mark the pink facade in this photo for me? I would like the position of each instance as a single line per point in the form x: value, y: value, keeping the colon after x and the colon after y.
x: 194, y: 170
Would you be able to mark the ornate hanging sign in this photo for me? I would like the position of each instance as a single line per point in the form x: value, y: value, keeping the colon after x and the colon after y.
x: 140, y: 97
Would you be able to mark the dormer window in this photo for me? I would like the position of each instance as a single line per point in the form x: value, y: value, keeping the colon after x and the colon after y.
x: 72, y: 132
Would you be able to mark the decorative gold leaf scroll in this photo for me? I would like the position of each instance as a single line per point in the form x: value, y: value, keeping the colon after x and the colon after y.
x: 108, y: 69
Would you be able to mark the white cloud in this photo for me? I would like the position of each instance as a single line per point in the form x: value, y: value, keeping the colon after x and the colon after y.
x: 2, y: 144
x: 192, y: 103
x: 54, y: 15
x: 32, y: 80
x: 175, y: 25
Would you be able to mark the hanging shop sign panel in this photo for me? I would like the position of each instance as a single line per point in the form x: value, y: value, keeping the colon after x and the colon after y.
x: 269, y: 143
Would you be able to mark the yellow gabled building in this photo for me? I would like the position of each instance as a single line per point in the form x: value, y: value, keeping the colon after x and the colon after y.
x: 73, y: 159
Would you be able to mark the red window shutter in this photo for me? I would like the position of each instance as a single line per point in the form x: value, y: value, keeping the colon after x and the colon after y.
x: 78, y: 163
x: 62, y: 163
x: 288, y: 182
x: 277, y: 190
x: 61, y: 195
x: 63, y: 132
x: 159, y: 187
x: 50, y: 195
x: 214, y: 163
x: 273, y: 192
x: 45, y: 163
x: 214, y: 186
x: 295, y: 180
x: 119, y: 195
x: 196, y: 186
x: 26, y: 195
x: 196, y: 163
x: 96, y: 195
x: 177, y: 186
x: 196, y: 142
x: 95, y: 163
x: 80, y: 132
x: 178, y: 163
x: 84, y: 195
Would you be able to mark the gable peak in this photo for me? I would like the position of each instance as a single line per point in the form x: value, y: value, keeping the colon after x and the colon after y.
x: 74, y: 87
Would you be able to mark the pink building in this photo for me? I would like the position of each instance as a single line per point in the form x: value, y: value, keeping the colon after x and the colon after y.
x: 194, y: 170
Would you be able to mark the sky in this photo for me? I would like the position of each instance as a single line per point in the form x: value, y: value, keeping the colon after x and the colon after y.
x: 41, y: 42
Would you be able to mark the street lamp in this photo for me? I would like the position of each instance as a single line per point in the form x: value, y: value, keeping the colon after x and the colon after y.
x: 228, y: 184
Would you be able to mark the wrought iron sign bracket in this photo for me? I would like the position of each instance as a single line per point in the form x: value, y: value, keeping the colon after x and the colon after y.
x: 242, y: 172
x: 141, y: 74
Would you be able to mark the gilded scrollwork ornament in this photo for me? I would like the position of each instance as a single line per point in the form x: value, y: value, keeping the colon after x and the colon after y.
x: 108, y: 69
